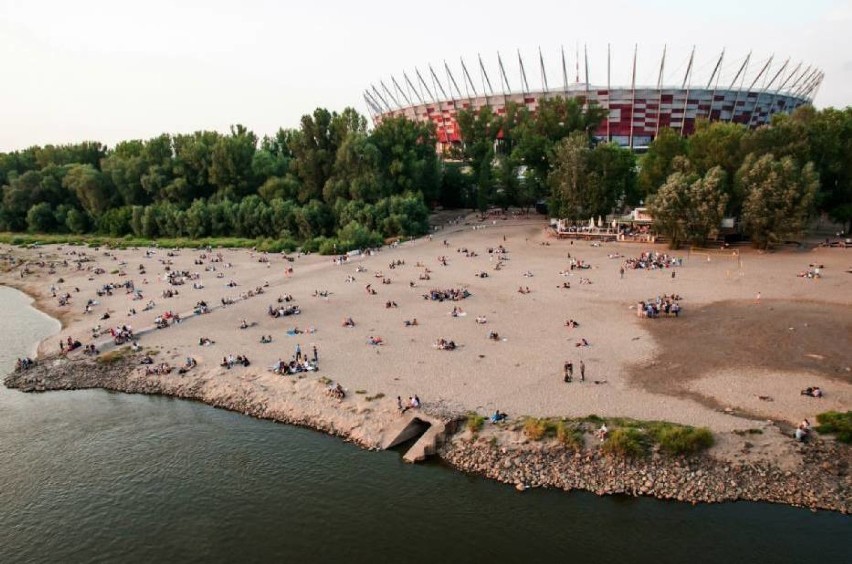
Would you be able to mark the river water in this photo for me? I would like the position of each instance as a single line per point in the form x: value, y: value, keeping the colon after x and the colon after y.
x: 94, y: 476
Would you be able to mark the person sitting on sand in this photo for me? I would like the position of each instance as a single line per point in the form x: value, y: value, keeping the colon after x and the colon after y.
x: 498, y: 416
x: 375, y: 340
x: 481, y: 320
x: 265, y: 339
x: 802, y: 430
x: 348, y: 322
x: 602, y: 432
x: 582, y: 343
x: 493, y: 335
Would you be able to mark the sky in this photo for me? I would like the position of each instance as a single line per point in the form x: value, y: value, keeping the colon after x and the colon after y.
x: 109, y: 70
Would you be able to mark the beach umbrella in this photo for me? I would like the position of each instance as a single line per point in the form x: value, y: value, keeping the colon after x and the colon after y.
x: 600, y: 221
x: 592, y: 221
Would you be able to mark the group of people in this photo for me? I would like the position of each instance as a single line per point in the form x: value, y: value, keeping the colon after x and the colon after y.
x: 445, y: 344
x: 568, y: 372
x: 283, y: 311
x: 295, y: 366
x: 652, y: 260
x: 663, y: 305
x: 230, y: 361
x: 451, y: 294
x: 412, y: 403
x: 24, y: 363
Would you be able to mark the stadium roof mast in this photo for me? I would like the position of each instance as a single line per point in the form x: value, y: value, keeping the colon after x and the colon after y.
x: 390, y: 95
x: 765, y: 89
x: 485, y: 80
x: 686, y: 85
x: 424, y: 85
x: 586, y: 64
x: 543, y: 72
x: 660, y: 89
x: 778, y: 88
x: 743, y: 67
x: 401, y: 91
x: 781, y: 87
x: 441, y: 88
x: 411, y: 86
x: 716, y: 74
x: 467, y: 80
x: 750, y: 88
x: 564, y: 72
x: 524, y: 84
x: 608, y: 94
x: 504, y: 80
x: 633, y: 96
x: 380, y: 97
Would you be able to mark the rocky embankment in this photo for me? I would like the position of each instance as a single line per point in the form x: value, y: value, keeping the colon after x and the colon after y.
x: 823, y: 483
x: 305, y: 405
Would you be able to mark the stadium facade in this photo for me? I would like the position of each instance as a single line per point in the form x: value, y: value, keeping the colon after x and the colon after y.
x: 742, y: 90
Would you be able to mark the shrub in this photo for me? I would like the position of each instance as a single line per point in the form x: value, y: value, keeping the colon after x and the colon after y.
x: 113, y: 356
x: 474, y: 422
x: 535, y: 429
x: 836, y: 423
x: 571, y: 437
x: 626, y: 442
x: 683, y: 440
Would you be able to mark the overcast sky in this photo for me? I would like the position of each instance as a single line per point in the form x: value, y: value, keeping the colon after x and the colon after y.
x: 108, y: 70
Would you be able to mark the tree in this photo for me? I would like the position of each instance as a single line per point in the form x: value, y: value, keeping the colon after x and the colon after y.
x: 779, y: 197
x: 830, y: 135
x: 90, y: 187
x: 569, y: 178
x: 656, y: 165
x: 689, y: 207
x: 40, y: 218
x: 231, y: 163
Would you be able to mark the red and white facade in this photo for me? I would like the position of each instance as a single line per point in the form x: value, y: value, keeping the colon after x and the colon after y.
x: 635, y: 113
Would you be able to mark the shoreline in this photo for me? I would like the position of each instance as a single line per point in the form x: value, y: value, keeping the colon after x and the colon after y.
x: 499, y: 453
x: 649, y: 370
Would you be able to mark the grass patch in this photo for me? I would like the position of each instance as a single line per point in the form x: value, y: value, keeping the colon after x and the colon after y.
x: 324, y: 381
x: 675, y: 439
x: 626, y: 442
x: 380, y: 395
x: 836, y: 423
x: 361, y: 391
x: 570, y: 436
x: 113, y: 356
x: 537, y: 429
x: 474, y: 422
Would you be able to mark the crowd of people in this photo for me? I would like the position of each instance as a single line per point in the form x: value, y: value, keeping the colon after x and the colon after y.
x: 652, y: 260
x: 661, y: 306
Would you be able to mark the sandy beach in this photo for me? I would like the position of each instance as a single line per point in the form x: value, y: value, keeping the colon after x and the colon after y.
x: 730, y: 361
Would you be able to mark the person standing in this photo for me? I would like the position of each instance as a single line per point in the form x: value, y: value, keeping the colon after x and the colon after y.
x: 621, y: 272
x: 298, y: 352
x: 316, y: 355
x: 582, y: 371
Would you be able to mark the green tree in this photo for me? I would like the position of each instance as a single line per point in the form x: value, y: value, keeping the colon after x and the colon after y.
x: 656, y: 165
x: 569, y: 180
x: 40, y: 218
x: 90, y: 187
x: 689, y: 207
x: 779, y: 198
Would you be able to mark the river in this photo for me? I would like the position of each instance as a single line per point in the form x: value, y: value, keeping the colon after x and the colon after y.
x: 94, y: 476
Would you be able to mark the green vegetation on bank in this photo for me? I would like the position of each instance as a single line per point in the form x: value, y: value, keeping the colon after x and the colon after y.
x: 837, y: 424
x: 332, y: 184
x: 626, y: 437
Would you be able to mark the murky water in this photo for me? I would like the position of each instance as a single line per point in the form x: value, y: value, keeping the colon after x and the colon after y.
x: 93, y: 476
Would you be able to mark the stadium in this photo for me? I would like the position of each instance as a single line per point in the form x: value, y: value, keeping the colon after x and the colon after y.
x: 741, y: 90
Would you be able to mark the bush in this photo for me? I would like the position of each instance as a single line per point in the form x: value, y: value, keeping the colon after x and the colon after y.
x: 535, y: 429
x: 683, y: 440
x: 570, y: 437
x: 836, y: 423
x: 626, y: 442
x: 474, y: 422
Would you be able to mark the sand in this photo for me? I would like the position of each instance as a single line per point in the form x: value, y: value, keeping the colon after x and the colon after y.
x: 726, y: 351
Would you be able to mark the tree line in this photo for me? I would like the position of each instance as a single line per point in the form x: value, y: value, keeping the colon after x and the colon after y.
x: 331, y: 184
x: 773, y: 179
